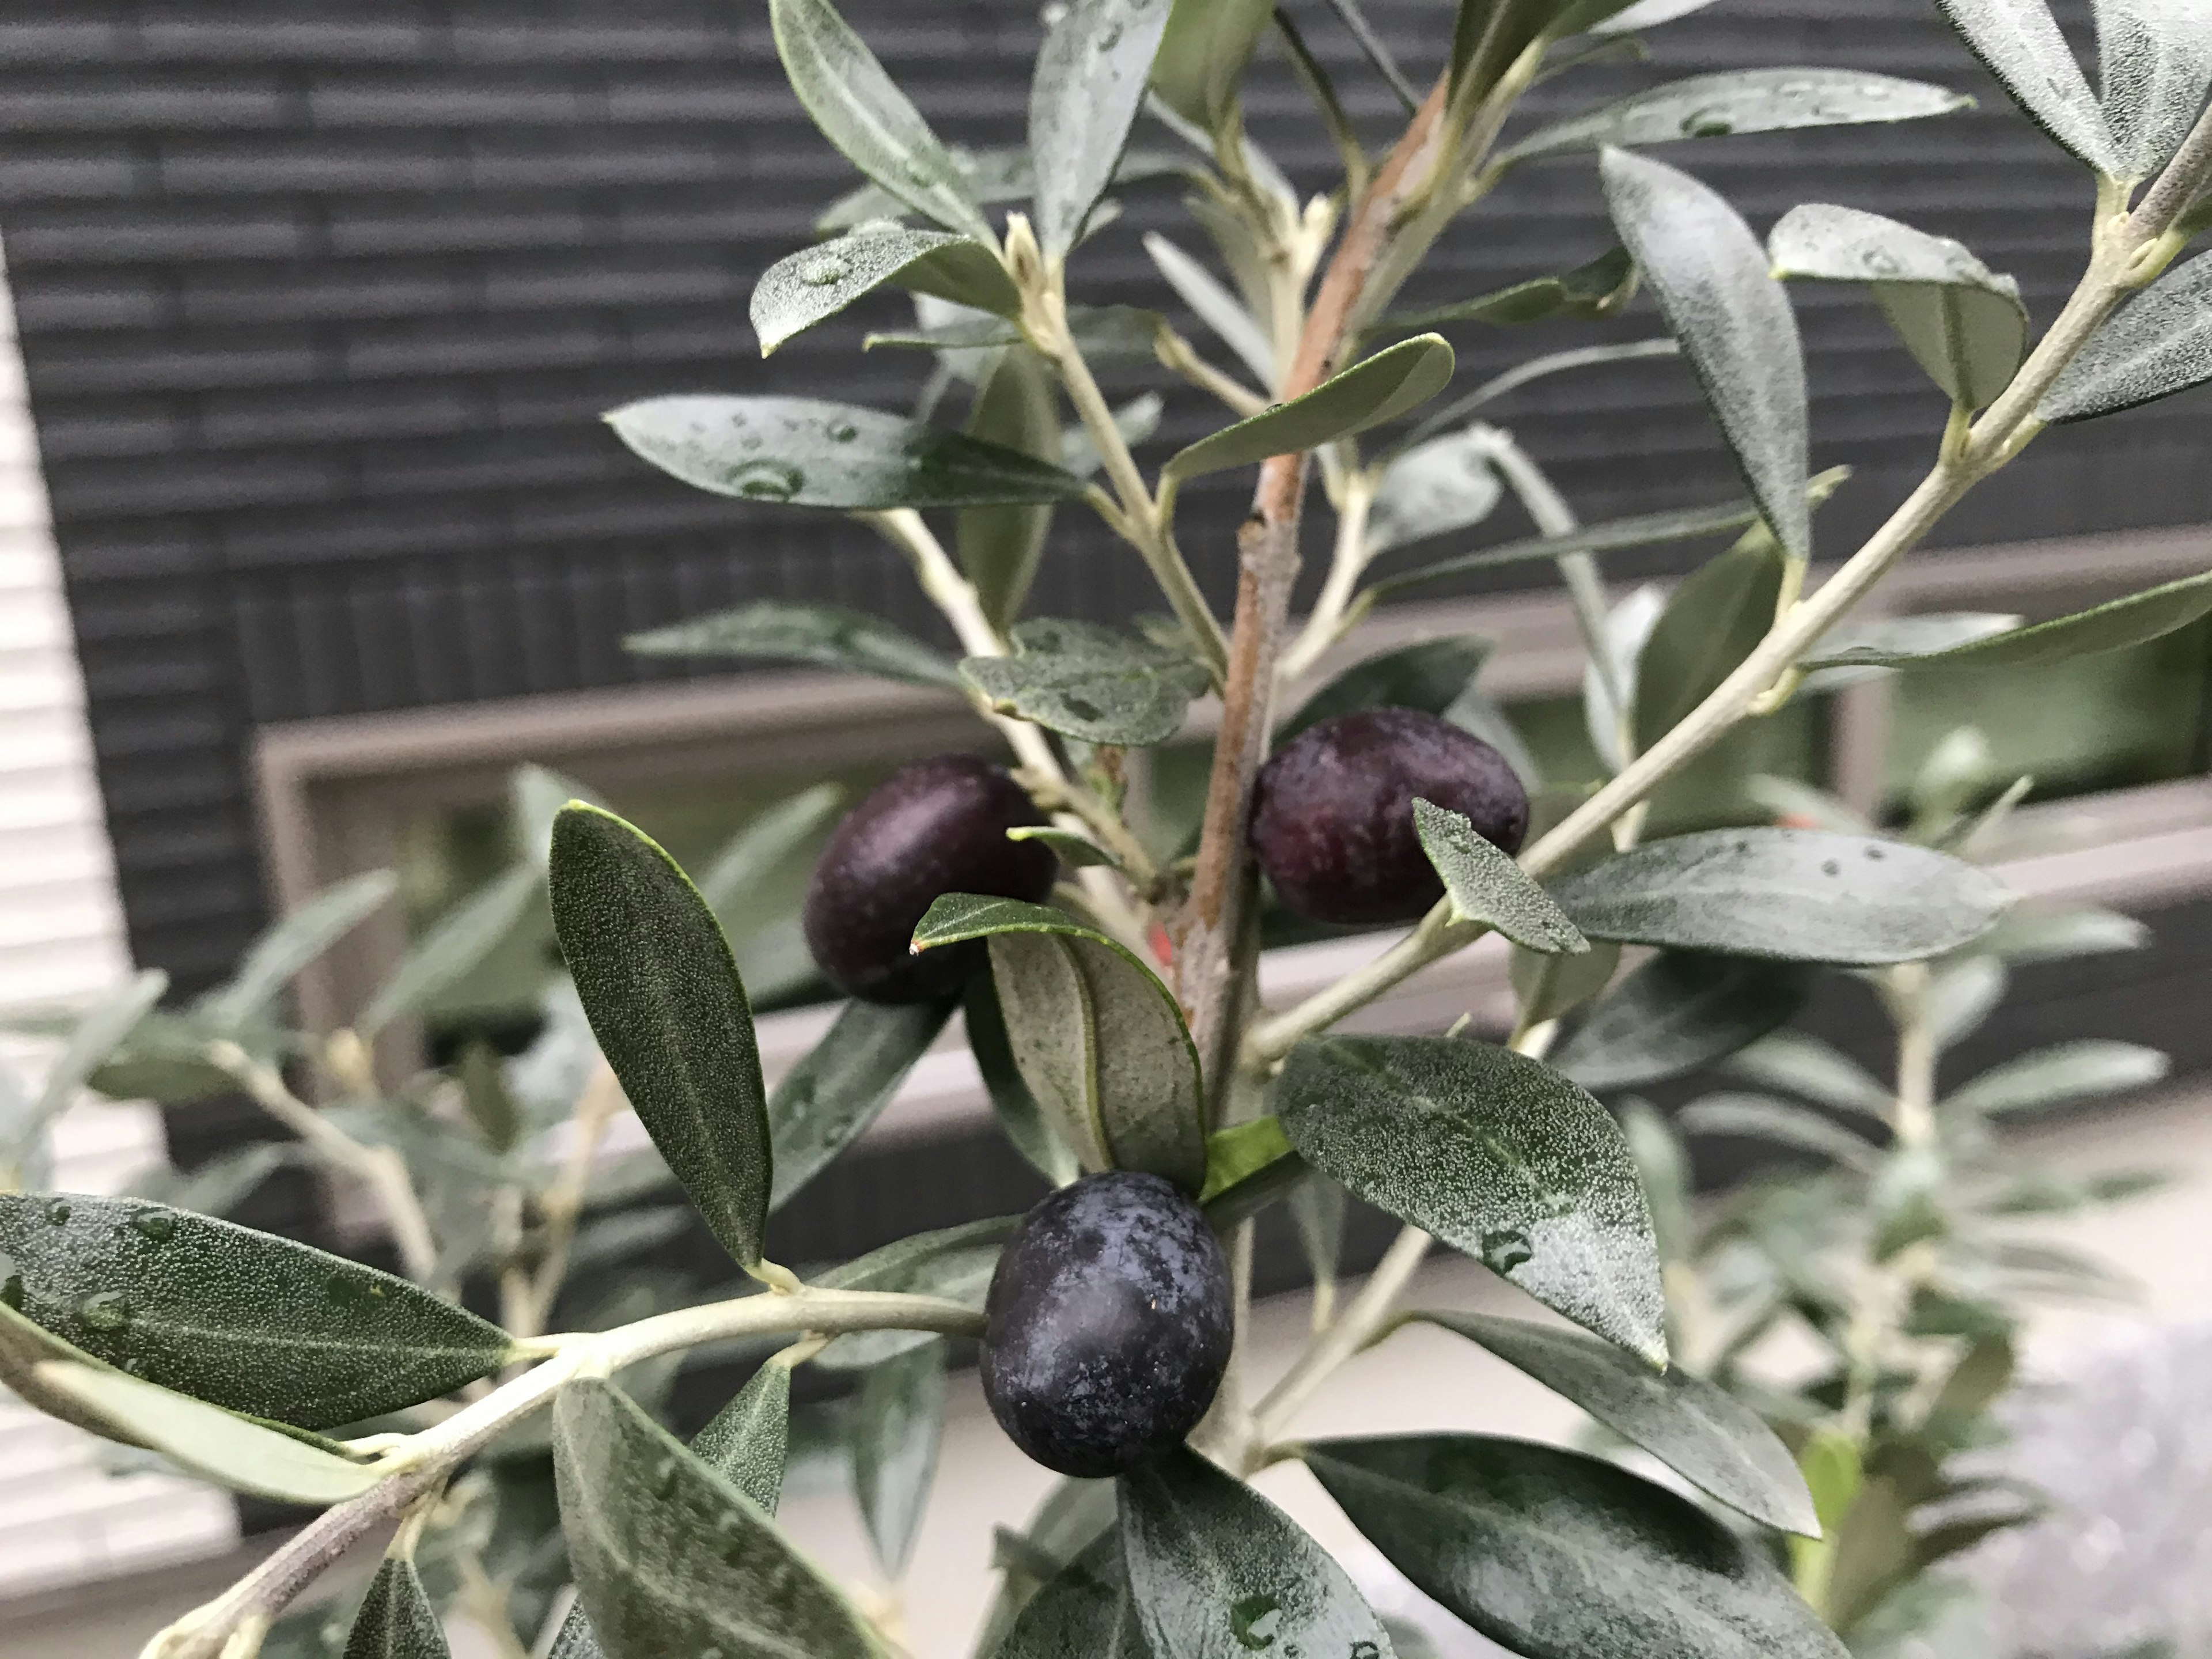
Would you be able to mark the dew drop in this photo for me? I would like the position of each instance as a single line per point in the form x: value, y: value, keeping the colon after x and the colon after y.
x: 1253, y: 1621
x: 1882, y: 262
x: 158, y: 1225
x: 1365, y: 1650
x: 665, y: 1474
x: 135, y: 1365
x: 1877, y: 853
x: 750, y: 441
x: 1111, y: 38
x: 57, y: 1212
x: 841, y: 431
x: 1830, y: 867
x: 11, y: 1291
x: 768, y: 481
x: 825, y: 272
x: 1083, y: 708
x: 105, y: 1310
x: 1506, y: 1250
x: 1708, y: 123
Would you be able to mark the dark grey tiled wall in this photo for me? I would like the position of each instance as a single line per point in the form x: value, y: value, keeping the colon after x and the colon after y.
x: 320, y: 298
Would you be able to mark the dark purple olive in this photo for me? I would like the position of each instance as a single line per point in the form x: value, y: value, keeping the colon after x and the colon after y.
x: 1333, y: 811
x: 1109, y: 1324
x: 938, y: 826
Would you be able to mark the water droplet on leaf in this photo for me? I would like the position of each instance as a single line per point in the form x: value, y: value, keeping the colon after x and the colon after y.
x: 158, y: 1225
x: 105, y: 1310
x: 57, y: 1212
x: 1253, y: 1620
x: 824, y: 272
x: 841, y: 431
x: 1506, y: 1250
x: 1708, y: 123
x: 11, y: 1291
x: 1111, y: 38
x: 768, y: 481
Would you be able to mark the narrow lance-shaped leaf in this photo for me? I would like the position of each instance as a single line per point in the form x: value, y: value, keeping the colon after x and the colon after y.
x: 1444, y: 484
x: 1216, y: 307
x: 1613, y: 535
x: 1523, y: 373
x: 1217, y: 1571
x: 1089, y: 682
x: 1430, y: 675
x: 98, y: 1032
x: 1203, y: 55
x: 1104, y: 334
x: 2161, y: 344
x: 662, y: 992
x: 1083, y: 1611
x: 1380, y: 388
x: 1090, y: 81
x: 453, y: 948
x: 732, y: 884
x: 252, y: 1322
x: 897, y: 1428
x: 2116, y: 626
x: 1485, y: 885
x: 1790, y: 895
x: 829, y: 1099
x: 1100, y: 1040
x: 953, y: 1262
x: 2155, y: 61
x: 803, y: 289
x: 1645, y: 14
x: 1737, y: 101
x: 1963, y: 323
x: 1709, y: 275
x: 996, y: 175
x: 1780, y: 1123
x: 1018, y: 1111
x: 395, y: 1620
x: 821, y: 635
x: 1626, y: 1567
x: 1868, y: 649
x: 1600, y: 288
x: 999, y: 547
x: 1806, y: 1066
x: 671, y: 1557
x: 2019, y: 43
x: 276, y: 958
x: 1714, y: 620
x: 1495, y: 1154
x: 1681, y: 1009
x: 861, y: 110
x: 803, y: 451
x: 2066, y: 1070
x: 1703, y: 1434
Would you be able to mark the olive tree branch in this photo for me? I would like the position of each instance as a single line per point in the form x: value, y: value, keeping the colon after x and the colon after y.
x: 420, y: 1463
x: 380, y: 1167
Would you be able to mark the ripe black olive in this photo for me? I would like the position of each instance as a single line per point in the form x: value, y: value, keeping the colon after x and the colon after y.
x: 1109, y: 1324
x: 935, y: 827
x: 1333, y: 811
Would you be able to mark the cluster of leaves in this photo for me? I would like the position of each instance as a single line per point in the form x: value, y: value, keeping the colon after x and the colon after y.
x: 236, y: 1353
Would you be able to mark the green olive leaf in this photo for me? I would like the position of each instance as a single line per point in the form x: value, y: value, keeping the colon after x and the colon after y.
x: 1485, y: 885
x: 2155, y: 61
x: 275, y: 959
x: 1679, y: 1011
x: 1201, y: 58
x: 1431, y: 676
x: 1377, y: 388
x: 1238, y: 1153
x: 842, y: 1084
x: 1610, y: 535
x: 953, y: 1262
x: 396, y: 1620
x: 2019, y: 43
x: 1780, y: 1123
x: 1084, y: 681
x: 1495, y: 1155
x: 92, y: 1042
x: 1090, y: 81
x: 1214, y: 306
x: 1709, y: 276
x: 2158, y: 344
x: 1545, y: 987
x: 993, y: 176
x: 1713, y: 620
x: 1591, y: 292
x: 250, y: 1321
x: 672, y: 1558
x: 824, y: 636
x: 1706, y: 1435
x: 1963, y: 323
x: 861, y: 110
x: 207, y: 1440
x: 1626, y: 1567
x: 658, y: 983
x: 453, y: 948
x: 1739, y: 101
x: 1102, y: 333
x: 1075, y: 850
x: 897, y: 1428
x: 1788, y: 894
x: 1018, y: 1111
x: 2066, y: 1070
x: 1099, y: 1040
x: 1872, y: 648
x: 1000, y: 547
x: 1433, y: 488
x: 1083, y: 1611
x: 1216, y: 1571
x: 803, y: 451
x: 815, y: 283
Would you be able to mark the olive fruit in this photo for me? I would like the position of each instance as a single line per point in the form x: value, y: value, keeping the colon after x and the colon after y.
x: 1109, y: 1324
x: 934, y: 826
x: 1333, y: 811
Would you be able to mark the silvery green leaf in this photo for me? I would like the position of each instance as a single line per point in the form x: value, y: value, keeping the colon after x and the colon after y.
x: 830, y: 1098
x: 2037, y: 933
x: 1522, y: 374
x: 1431, y: 675
x: 1628, y: 1567
x: 396, y: 1620
x: 1099, y: 1040
x: 748, y: 1440
x: 1628, y: 628
x: 1790, y: 895
x: 1800, y: 1128
x: 861, y: 110
x: 1547, y: 987
x: 953, y: 1262
x: 1076, y: 852
x: 535, y: 796
x: 1647, y: 13
x: 732, y: 884
x: 803, y: 452
x: 823, y: 635
x: 1495, y: 1155
x: 2019, y: 43
x: 1962, y: 322
x: 288, y: 946
x: 1444, y: 484
x: 993, y: 175
x: 1703, y: 1434
x: 1598, y: 289
x: 1018, y: 1111
x: 1484, y: 885
x: 2158, y: 344
x: 1681, y: 1009
x: 1662, y: 1166
x: 1800, y: 806
x: 1739, y: 101
x: 1372, y: 391
x: 1083, y: 1611
x: 454, y: 947
x: 2155, y: 69
x: 1473, y: 711
x: 1714, y: 619
x: 2066, y: 1070
x: 1218, y: 1571
x: 1709, y: 276
x: 1000, y: 547
x: 897, y: 1427
x: 1960, y: 996
x: 803, y: 289
x: 1613, y: 535
x: 1102, y: 333
x: 207, y: 1441
x: 1864, y: 650
x: 1806, y: 1066
x: 1090, y: 81
x: 1203, y: 55
x: 1215, y: 305
x: 1136, y: 421
x: 1084, y: 681
x: 93, y: 1040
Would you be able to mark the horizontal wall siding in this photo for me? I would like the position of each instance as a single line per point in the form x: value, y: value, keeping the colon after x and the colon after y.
x: 321, y: 300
